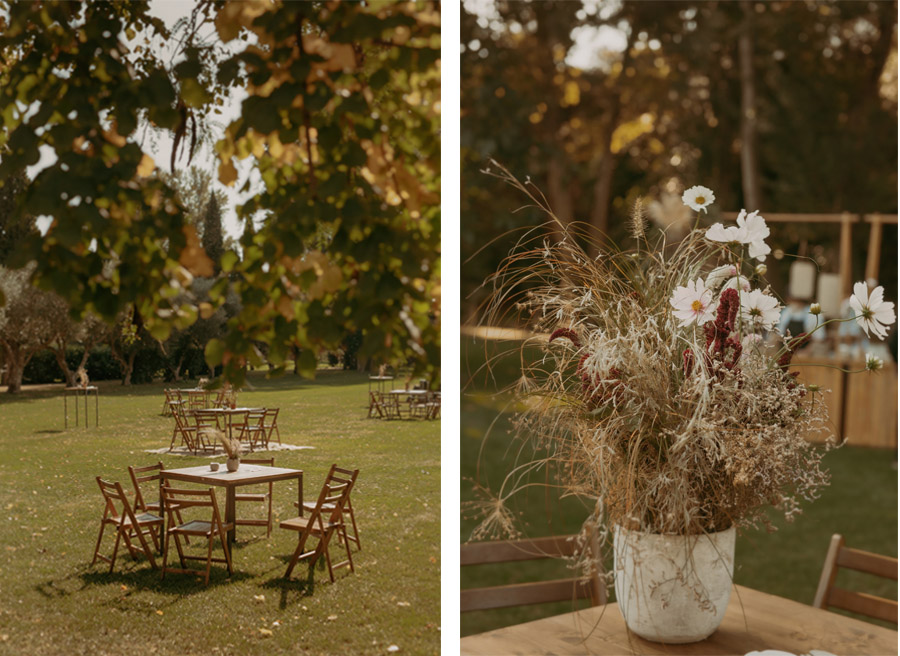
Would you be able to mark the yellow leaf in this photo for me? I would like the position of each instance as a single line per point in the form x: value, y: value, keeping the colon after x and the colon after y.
x: 193, y: 257
x: 146, y: 167
x: 206, y: 310
x: 571, y: 94
x: 227, y: 173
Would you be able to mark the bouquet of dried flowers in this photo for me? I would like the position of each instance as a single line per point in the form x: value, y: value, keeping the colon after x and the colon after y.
x: 232, y: 445
x: 663, y: 393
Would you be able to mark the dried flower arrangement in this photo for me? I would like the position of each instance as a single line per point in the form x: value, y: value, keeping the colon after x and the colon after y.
x: 232, y: 445
x: 663, y: 394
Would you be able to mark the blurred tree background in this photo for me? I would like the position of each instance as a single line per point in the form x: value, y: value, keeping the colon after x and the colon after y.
x: 778, y: 106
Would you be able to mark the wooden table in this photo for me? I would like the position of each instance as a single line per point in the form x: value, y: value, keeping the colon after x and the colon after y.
x: 754, y: 621
x: 228, y: 414
x: 245, y: 475
x: 197, y: 397
x: 379, y: 381
x: 85, y: 391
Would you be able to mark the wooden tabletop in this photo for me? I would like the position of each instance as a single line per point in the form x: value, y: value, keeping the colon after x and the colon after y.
x: 245, y: 475
x: 754, y: 621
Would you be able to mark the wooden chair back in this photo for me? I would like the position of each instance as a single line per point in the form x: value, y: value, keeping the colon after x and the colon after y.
x: 534, y: 592
x: 119, y: 513
x: 178, y: 501
x: 144, y: 475
x: 271, y: 424
x: 181, y: 499
x: 829, y: 595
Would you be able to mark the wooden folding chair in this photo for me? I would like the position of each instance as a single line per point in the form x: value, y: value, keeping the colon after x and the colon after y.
x: 184, y: 430
x: 259, y: 497
x: 309, y: 506
x: 177, y: 501
x: 140, y: 475
x: 322, y: 523
x: 126, y: 523
x: 204, y: 423
x: 375, y: 405
x: 253, y: 430
x: 534, y: 592
x: 171, y: 397
x: 829, y: 595
x: 271, y: 425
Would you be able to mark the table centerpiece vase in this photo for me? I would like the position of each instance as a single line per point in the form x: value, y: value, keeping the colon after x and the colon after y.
x: 656, y: 387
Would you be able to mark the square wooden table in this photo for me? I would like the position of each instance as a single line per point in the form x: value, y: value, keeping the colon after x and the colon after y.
x: 754, y: 621
x: 245, y: 475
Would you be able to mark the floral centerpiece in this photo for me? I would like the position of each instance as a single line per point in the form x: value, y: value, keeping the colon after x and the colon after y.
x: 664, y: 393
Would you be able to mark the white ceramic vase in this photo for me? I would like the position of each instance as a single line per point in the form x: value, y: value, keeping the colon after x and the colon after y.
x: 673, y: 588
x: 232, y: 464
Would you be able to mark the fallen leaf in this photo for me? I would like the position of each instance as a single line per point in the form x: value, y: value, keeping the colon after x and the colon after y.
x: 159, y: 612
x: 331, y: 618
x: 259, y: 597
x: 265, y: 633
x: 393, y: 648
x: 403, y: 603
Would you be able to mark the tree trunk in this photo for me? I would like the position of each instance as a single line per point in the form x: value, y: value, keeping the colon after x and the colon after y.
x: 601, y: 200
x: 749, y: 158
x: 559, y: 195
x: 59, y: 351
x: 128, y: 368
x: 15, y: 368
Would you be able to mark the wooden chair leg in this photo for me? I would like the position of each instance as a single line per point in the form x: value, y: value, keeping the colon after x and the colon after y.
x: 146, y: 546
x: 112, y: 561
x: 165, y: 554
x: 99, y: 539
x: 209, y: 545
x: 224, y: 538
x: 301, y: 542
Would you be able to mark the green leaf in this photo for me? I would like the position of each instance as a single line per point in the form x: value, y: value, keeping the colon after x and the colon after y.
x: 306, y: 363
x: 214, y: 352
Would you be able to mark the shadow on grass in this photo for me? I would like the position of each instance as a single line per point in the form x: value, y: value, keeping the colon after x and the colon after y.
x: 149, y: 579
x: 292, y: 590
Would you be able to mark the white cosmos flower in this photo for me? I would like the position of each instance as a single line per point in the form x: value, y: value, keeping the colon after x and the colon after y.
x: 741, y: 283
x: 698, y: 198
x: 873, y: 362
x: 750, y: 229
x: 871, y: 311
x: 719, y: 275
x: 693, y: 303
x: 760, y: 309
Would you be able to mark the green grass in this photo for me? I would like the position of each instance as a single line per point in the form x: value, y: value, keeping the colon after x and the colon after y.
x: 52, y: 601
x: 860, y: 503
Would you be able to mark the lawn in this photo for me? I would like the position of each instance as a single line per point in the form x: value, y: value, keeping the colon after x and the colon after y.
x: 860, y: 503
x: 52, y: 601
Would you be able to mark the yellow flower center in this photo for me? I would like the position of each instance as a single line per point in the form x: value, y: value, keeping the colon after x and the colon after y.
x: 696, y: 306
x: 700, y: 200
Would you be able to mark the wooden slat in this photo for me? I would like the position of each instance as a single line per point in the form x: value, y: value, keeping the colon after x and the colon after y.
x: 523, y: 594
x: 800, y: 217
x: 482, y: 553
x: 863, y: 603
x: 880, y: 218
x: 865, y: 561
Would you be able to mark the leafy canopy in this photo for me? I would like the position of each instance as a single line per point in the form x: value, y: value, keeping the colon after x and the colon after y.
x: 341, y: 121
